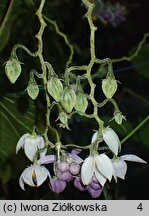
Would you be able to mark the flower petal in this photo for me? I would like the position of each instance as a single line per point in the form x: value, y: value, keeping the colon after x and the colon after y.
x: 133, y: 158
x: 46, y: 159
x: 27, y: 176
x: 120, y: 168
x: 104, y: 165
x: 21, y: 142
x: 94, y: 137
x: 76, y: 151
x: 21, y: 182
x: 111, y: 139
x: 78, y: 184
x: 102, y: 180
x: 30, y: 147
x: 40, y: 142
x: 57, y: 185
x: 76, y: 158
x: 94, y: 193
x: 87, y: 170
x: 41, y: 174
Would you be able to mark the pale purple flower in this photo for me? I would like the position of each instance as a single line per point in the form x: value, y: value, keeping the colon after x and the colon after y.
x: 74, y: 169
x: 94, y: 193
x: 65, y: 176
x: 113, y: 13
x: 63, y: 167
x: 57, y: 185
x: 79, y: 184
x: 94, y: 189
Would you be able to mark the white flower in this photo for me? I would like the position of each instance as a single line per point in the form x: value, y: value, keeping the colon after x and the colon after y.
x: 120, y: 165
x: 34, y: 176
x: 110, y: 138
x: 31, y: 144
x: 98, y: 165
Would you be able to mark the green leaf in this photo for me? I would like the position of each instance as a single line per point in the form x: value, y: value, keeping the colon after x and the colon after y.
x: 9, y: 11
x: 14, y: 122
x: 142, y: 60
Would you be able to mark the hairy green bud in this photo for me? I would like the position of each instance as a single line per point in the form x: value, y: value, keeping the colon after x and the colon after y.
x: 109, y: 86
x: 81, y: 102
x: 118, y: 117
x: 68, y: 99
x: 13, y: 70
x: 55, y: 88
x: 33, y: 90
x: 63, y: 117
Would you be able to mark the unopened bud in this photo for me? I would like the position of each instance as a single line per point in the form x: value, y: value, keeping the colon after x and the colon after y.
x: 63, y: 117
x: 32, y: 89
x: 74, y: 169
x: 81, y: 102
x: 55, y: 88
x: 13, y: 70
x: 109, y: 86
x: 118, y: 117
x: 68, y: 99
x: 63, y: 167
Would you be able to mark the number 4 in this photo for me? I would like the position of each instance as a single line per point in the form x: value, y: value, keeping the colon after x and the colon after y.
x: 140, y: 207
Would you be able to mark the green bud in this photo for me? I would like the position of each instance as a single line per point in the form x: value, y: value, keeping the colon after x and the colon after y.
x: 13, y: 70
x: 109, y: 86
x: 68, y: 99
x: 81, y: 102
x: 63, y: 117
x: 55, y: 88
x: 118, y: 117
x: 33, y: 90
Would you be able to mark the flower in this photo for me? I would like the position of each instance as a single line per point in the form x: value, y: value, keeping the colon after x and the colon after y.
x: 120, y: 165
x: 110, y: 138
x: 34, y: 176
x: 66, y: 169
x: 98, y: 165
x: 57, y: 185
x: 31, y: 144
x: 94, y: 188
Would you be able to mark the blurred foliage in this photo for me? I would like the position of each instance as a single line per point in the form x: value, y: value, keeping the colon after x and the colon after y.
x: 18, y: 24
x: 141, y: 62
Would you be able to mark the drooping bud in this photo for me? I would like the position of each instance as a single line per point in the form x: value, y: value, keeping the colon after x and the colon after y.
x: 55, y: 88
x: 13, y: 69
x: 63, y: 167
x: 118, y: 117
x: 109, y: 86
x: 68, y: 99
x: 63, y: 117
x: 32, y: 88
x: 81, y: 102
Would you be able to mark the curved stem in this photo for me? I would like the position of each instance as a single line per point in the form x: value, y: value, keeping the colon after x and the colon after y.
x: 135, y: 54
x: 64, y: 36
